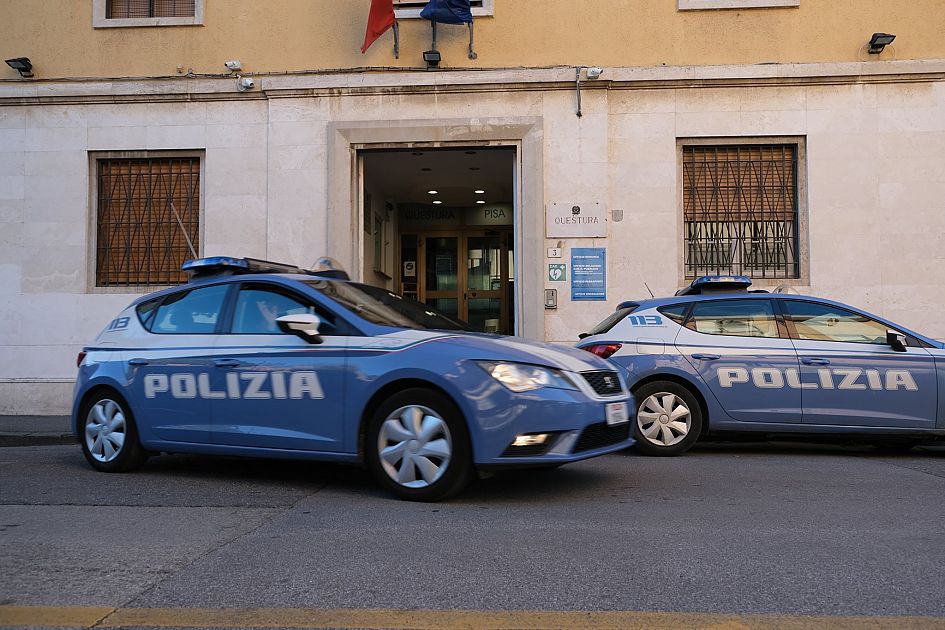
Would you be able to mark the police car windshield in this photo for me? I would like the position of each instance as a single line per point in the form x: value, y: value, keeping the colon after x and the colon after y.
x: 384, y: 308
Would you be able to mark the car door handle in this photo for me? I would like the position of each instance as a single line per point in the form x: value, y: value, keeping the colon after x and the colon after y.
x: 137, y: 361
x: 814, y: 361
x: 227, y: 363
x: 706, y: 357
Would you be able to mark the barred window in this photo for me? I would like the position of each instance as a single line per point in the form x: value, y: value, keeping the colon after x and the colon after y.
x: 147, y: 209
x: 125, y: 9
x: 740, y: 210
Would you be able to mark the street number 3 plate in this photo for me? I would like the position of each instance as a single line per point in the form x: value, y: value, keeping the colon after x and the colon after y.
x: 617, y: 413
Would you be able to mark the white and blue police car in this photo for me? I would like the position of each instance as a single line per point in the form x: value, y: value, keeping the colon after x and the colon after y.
x: 717, y: 357
x: 260, y: 359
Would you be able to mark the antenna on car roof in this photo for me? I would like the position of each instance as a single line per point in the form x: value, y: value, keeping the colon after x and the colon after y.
x: 190, y: 245
x: 648, y: 289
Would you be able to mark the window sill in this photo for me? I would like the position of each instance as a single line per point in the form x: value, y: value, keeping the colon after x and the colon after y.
x: 702, y: 5
x: 486, y: 10
x: 137, y: 22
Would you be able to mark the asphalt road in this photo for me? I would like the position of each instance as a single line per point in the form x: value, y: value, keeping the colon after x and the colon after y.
x: 769, y: 529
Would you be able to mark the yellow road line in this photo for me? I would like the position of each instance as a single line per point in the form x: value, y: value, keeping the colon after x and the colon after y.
x: 76, y: 616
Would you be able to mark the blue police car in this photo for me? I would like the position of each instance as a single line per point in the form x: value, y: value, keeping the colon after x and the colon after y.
x: 260, y: 359
x: 718, y: 358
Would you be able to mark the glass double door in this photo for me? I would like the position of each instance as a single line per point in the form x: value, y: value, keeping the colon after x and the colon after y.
x: 469, y: 276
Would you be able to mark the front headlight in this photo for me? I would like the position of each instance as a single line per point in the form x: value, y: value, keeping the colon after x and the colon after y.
x: 520, y: 377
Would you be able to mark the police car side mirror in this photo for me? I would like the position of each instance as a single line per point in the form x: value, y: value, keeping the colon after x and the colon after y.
x: 896, y: 340
x: 303, y: 324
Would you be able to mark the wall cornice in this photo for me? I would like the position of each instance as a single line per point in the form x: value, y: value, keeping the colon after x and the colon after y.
x: 373, y: 82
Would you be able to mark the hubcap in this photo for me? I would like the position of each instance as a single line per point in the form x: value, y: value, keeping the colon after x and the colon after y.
x: 105, y: 430
x: 664, y: 419
x: 414, y: 445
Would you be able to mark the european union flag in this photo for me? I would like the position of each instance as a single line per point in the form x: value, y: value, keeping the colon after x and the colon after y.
x: 447, y: 12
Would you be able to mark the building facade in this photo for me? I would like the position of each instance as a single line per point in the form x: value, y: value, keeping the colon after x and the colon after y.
x: 720, y: 136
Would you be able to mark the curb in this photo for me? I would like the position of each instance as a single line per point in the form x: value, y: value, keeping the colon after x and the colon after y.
x: 7, y: 440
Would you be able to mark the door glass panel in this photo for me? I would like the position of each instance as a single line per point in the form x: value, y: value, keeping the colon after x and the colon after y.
x: 447, y: 306
x: 257, y: 310
x: 441, y: 264
x: 485, y: 314
x: 737, y: 318
x: 824, y: 322
x: 483, y: 263
x: 191, y: 312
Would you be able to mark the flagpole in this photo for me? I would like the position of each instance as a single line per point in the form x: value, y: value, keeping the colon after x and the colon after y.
x: 396, y: 40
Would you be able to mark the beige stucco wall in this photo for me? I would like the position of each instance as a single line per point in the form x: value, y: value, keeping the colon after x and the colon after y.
x: 875, y: 182
x: 293, y: 35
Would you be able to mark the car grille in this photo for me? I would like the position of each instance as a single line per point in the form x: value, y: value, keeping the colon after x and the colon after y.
x: 600, y: 435
x: 604, y: 382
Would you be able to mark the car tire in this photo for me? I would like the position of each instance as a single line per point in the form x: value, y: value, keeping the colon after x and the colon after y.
x: 417, y: 446
x: 109, y: 435
x: 655, y: 429
x: 896, y: 446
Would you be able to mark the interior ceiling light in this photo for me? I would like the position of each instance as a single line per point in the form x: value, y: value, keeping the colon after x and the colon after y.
x: 480, y: 201
x: 432, y: 192
x: 437, y: 202
x: 480, y: 192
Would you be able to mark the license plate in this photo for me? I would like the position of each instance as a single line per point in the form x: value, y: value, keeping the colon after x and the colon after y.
x: 617, y: 413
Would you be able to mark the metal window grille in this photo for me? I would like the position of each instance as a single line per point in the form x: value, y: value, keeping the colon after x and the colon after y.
x: 120, y: 9
x: 145, y: 206
x: 740, y: 210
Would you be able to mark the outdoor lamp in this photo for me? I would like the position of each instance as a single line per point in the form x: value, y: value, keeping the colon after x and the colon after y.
x: 21, y: 65
x: 879, y: 41
x: 432, y: 58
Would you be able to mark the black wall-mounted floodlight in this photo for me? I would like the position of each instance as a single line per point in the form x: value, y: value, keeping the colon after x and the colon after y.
x: 21, y: 65
x: 879, y: 41
x: 432, y: 58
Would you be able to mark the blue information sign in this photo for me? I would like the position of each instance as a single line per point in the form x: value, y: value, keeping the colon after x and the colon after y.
x: 588, y: 273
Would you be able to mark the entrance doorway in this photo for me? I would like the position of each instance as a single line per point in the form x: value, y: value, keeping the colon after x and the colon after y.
x: 442, y: 230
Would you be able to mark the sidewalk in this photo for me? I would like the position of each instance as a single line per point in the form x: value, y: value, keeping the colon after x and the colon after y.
x: 35, y: 430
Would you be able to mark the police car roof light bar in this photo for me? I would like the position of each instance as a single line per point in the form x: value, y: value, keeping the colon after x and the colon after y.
x: 227, y: 265
x: 716, y: 284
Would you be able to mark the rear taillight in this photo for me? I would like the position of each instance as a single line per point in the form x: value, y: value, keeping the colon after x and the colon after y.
x: 603, y: 350
x: 79, y: 359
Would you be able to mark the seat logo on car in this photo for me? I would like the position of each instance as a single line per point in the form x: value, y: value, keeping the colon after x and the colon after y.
x: 242, y: 385
x: 827, y: 378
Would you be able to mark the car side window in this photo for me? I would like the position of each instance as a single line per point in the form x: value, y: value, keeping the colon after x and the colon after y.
x: 257, y: 309
x: 825, y: 322
x: 735, y: 318
x: 676, y: 312
x: 193, y: 312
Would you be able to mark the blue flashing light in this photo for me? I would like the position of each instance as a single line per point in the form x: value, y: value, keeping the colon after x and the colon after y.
x: 716, y: 284
x: 214, y: 263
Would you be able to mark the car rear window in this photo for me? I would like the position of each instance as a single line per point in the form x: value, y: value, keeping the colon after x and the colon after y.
x: 611, y: 321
